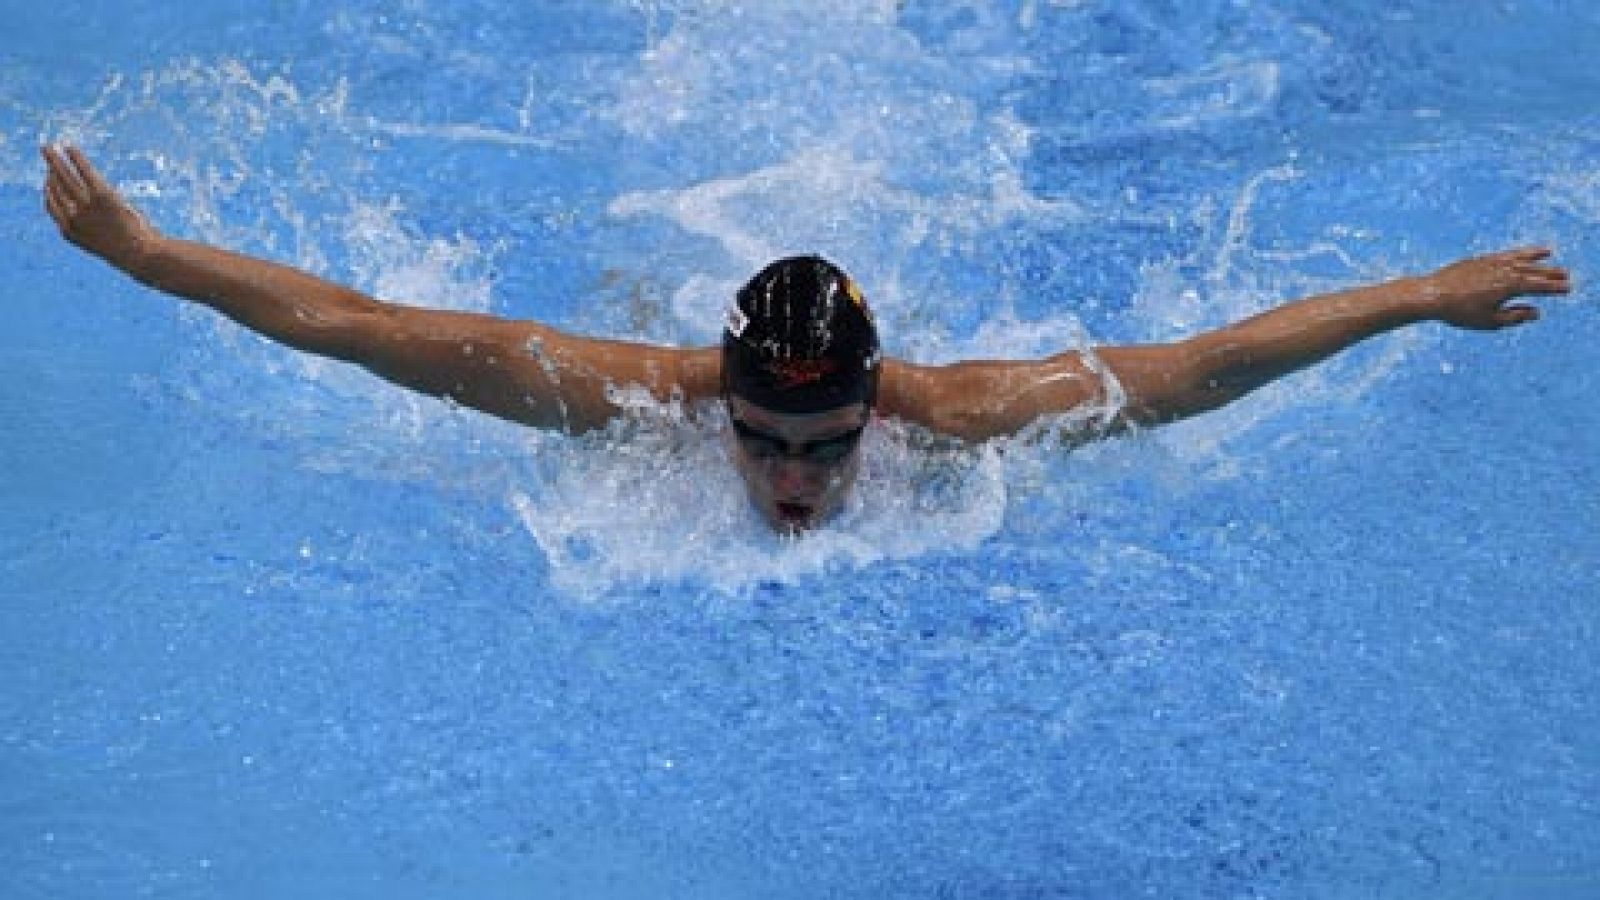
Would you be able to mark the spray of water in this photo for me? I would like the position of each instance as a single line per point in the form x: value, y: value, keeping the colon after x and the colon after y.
x: 856, y: 141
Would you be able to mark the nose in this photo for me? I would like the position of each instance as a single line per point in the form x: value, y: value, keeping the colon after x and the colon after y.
x: 794, y: 478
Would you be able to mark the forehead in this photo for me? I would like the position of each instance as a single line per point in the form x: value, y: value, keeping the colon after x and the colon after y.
x: 799, y: 425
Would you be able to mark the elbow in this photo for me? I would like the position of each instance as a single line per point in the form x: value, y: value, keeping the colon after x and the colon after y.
x: 1169, y: 382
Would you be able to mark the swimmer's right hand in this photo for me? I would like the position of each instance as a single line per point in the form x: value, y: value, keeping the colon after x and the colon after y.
x: 90, y: 212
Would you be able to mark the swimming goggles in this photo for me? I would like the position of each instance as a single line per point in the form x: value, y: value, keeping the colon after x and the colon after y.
x: 825, y: 452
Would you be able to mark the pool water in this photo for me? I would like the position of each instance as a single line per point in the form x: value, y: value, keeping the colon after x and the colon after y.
x: 271, y: 627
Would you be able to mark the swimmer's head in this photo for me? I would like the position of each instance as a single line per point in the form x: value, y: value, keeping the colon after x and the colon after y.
x: 800, y: 339
x: 800, y: 367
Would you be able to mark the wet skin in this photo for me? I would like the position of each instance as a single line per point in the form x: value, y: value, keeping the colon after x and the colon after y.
x: 490, y: 364
x: 794, y: 493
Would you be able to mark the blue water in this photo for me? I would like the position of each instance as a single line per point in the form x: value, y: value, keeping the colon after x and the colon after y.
x: 270, y: 627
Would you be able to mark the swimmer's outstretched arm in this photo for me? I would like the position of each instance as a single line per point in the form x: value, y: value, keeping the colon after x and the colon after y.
x: 1166, y: 382
x: 517, y: 370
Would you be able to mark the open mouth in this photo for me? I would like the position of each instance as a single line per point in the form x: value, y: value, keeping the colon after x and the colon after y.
x: 794, y: 514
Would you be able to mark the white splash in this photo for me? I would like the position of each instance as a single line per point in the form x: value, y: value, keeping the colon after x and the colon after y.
x: 462, y: 132
x: 872, y: 149
x: 1232, y: 89
x: 656, y: 500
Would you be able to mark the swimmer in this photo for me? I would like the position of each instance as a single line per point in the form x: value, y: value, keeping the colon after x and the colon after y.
x: 799, y: 369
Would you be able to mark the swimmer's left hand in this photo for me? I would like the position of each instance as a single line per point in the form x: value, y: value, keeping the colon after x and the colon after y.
x: 1473, y: 293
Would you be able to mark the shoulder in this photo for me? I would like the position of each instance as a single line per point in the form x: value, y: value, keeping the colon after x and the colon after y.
x: 943, y: 398
x: 906, y: 391
x: 981, y: 399
x: 698, y: 371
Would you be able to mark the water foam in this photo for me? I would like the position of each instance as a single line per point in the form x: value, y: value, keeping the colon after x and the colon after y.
x: 654, y: 500
x: 849, y: 176
x: 837, y: 175
x: 1195, y: 680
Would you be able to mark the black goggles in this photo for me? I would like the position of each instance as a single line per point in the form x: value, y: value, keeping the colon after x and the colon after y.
x: 825, y: 452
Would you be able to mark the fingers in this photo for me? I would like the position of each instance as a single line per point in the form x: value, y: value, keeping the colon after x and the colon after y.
x: 64, y: 194
x: 64, y: 175
x: 1528, y: 254
x: 56, y: 195
x: 1536, y: 279
x: 1519, y: 314
x: 1530, y: 265
x: 74, y: 191
x: 1530, y: 275
x: 91, y: 176
x: 71, y: 171
x: 55, y: 205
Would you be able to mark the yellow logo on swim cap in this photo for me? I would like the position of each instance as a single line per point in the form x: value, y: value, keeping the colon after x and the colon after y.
x: 855, y: 294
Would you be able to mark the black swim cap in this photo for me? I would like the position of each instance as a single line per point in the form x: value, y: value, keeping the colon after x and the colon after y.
x: 800, y: 339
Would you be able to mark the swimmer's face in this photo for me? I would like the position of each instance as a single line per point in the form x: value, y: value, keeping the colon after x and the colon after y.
x: 797, y: 468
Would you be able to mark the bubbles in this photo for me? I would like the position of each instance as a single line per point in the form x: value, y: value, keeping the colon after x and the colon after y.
x: 655, y: 500
x: 1232, y: 90
x: 851, y: 140
x: 896, y: 150
x: 904, y: 146
x: 418, y: 270
x: 421, y: 622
